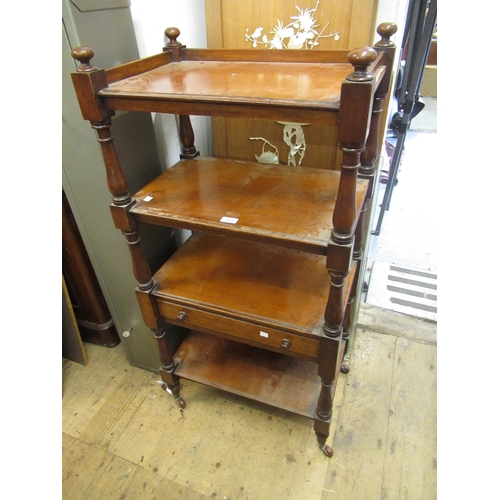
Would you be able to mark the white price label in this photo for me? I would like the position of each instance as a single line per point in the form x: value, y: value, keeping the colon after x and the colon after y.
x: 229, y: 220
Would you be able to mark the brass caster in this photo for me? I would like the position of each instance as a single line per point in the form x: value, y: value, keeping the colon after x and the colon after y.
x: 344, y: 368
x: 180, y: 401
x: 327, y: 450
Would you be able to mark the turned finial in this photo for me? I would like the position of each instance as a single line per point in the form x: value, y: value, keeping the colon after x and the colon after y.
x: 172, y: 34
x: 83, y: 55
x: 386, y: 30
x: 361, y: 59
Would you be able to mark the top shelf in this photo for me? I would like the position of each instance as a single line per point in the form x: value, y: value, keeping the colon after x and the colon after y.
x: 296, y: 86
x: 309, y: 85
x: 289, y: 85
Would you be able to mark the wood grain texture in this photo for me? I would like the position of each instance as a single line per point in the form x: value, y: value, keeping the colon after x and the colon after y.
x: 291, y: 206
x: 257, y: 283
x: 412, y: 430
x: 268, y: 377
x: 386, y: 435
x: 227, y: 22
x: 274, y: 338
x: 93, y: 473
x: 271, y: 287
x: 307, y: 84
x: 321, y: 141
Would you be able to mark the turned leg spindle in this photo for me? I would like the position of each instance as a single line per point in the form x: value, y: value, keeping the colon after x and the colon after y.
x: 356, y: 93
x: 189, y: 150
x: 140, y: 265
x: 117, y: 183
x: 323, y: 415
x: 186, y: 133
x: 168, y: 366
x: 352, y: 136
x: 328, y: 367
x: 334, y: 309
x: 341, y: 244
x: 346, y: 334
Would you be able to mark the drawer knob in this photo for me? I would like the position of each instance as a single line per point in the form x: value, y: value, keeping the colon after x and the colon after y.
x: 182, y: 316
x: 286, y: 344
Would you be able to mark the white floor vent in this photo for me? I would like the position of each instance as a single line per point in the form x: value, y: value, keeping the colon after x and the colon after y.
x: 404, y: 290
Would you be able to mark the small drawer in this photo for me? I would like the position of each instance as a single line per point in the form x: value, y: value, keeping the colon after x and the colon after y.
x: 271, y: 338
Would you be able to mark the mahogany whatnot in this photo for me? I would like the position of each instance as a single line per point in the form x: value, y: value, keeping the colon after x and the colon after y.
x: 269, y: 286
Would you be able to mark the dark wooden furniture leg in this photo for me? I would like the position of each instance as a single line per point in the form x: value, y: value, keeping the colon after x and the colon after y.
x: 367, y: 170
x: 352, y: 137
x: 89, y: 80
x: 93, y: 317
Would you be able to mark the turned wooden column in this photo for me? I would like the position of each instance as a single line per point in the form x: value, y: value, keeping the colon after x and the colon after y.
x: 154, y: 321
x: 354, y: 119
x: 122, y: 202
x: 330, y: 355
x: 371, y: 154
x: 186, y: 132
x: 117, y: 183
x: 168, y: 366
x: 369, y: 161
x: 88, y: 81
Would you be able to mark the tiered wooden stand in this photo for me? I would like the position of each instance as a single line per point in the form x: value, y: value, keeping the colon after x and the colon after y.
x: 266, y: 283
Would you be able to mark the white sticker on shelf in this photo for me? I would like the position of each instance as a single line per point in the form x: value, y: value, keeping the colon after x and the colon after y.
x: 264, y: 334
x: 147, y: 198
x: 229, y: 220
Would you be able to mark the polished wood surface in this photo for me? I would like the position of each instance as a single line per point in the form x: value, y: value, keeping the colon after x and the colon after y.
x: 292, y: 206
x: 259, y: 293
x: 258, y: 275
x: 248, y: 279
x: 229, y: 84
x: 269, y: 377
x: 308, y: 84
x: 223, y: 325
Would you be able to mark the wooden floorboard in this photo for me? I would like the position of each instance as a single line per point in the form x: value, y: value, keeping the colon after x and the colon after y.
x: 125, y: 438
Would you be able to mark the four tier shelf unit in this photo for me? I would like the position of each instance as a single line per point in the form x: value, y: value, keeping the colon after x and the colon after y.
x: 265, y: 286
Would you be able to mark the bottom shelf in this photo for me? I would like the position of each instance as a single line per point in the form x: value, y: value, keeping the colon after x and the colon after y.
x: 268, y: 377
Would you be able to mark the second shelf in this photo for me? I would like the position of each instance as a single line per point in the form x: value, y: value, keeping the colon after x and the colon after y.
x: 285, y: 205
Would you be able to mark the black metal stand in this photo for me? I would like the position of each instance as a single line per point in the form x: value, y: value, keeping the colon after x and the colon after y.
x: 420, y: 22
